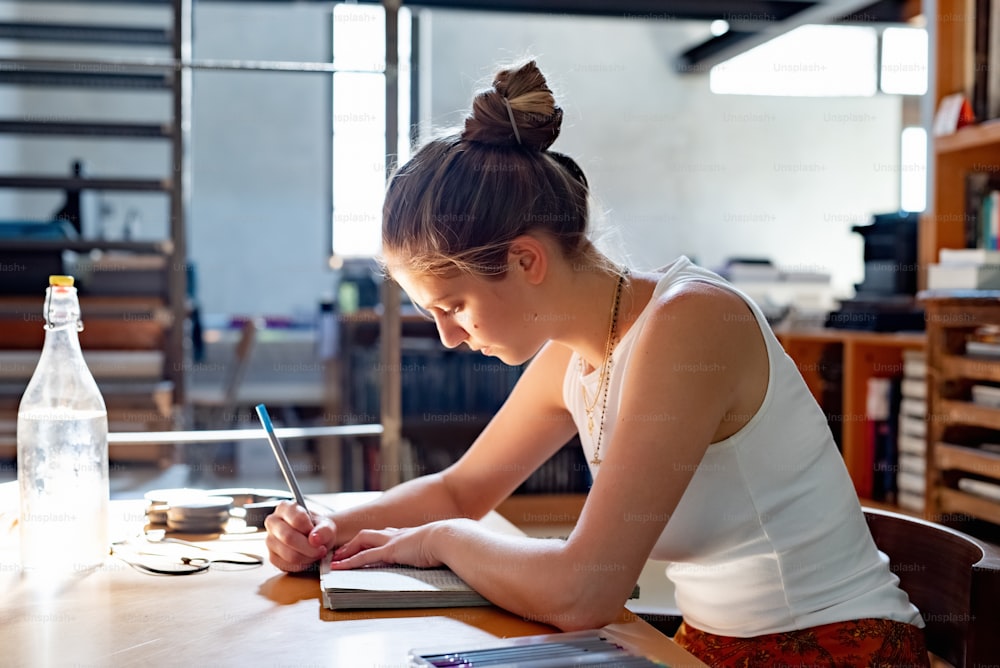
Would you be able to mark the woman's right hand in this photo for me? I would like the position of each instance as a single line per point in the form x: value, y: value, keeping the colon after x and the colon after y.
x: 296, y: 539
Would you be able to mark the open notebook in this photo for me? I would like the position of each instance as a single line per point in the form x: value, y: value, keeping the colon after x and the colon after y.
x: 398, y: 587
x: 395, y: 587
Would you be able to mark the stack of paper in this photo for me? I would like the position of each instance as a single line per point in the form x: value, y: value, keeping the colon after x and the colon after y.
x: 911, y: 482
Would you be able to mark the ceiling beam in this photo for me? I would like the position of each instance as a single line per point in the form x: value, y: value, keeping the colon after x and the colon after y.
x: 665, y: 10
x: 702, y: 57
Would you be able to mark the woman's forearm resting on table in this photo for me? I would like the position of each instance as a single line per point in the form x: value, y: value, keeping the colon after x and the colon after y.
x: 540, y: 579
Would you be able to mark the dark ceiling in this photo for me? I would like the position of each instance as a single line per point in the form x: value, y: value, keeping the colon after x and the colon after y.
x: 751, y: 22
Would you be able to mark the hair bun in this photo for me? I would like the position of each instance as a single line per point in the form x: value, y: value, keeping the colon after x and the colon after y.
x: 518, y: 110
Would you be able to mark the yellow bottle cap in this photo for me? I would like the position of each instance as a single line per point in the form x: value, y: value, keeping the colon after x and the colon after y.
x: 61, y: 281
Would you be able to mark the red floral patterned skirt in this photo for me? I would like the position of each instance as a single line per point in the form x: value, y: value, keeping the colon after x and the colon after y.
x: 857, y: 643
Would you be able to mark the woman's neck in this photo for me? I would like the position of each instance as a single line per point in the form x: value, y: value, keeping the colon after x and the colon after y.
x: 589, y: 298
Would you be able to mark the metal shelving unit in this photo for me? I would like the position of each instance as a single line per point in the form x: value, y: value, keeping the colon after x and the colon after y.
x: 167, y: 74
x: 172, y: 73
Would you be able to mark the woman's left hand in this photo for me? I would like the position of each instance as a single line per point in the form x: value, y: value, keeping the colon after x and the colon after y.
x: 412, y: 547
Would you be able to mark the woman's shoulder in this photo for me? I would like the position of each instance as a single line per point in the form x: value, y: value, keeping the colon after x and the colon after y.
x: 694, y: 299
x: 702, y: 318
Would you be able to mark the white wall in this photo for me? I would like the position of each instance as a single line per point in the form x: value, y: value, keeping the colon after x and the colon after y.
x: 260, y: 216
x: 677, y: 168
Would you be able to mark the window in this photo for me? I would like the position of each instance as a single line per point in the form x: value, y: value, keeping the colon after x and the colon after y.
x: 811, y: 60
x: 904, y: 61
x: 818, y: 60
x: 913, y: 169
x: 359, y: 124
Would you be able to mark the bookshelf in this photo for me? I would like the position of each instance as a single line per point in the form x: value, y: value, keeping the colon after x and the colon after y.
x: 959, y: 424
x: 971, y: 148
x: 447, y: 397
x: 158, y: 35
x: 125, y: 345
x: 860, y: 355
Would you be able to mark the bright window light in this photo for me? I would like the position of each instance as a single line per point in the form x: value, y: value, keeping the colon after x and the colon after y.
x: 810, y: 61
x: 913, y: 169
x: 359, y: 124
x: 904, y: 61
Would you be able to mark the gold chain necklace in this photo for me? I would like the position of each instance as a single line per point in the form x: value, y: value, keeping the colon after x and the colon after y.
x: 605, y: 380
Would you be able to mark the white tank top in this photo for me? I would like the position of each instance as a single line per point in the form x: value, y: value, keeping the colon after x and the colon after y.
x: 769, y: 535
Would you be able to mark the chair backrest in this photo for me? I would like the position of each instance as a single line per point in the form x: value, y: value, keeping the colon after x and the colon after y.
x: 953, y: 578
x: 238, y: 367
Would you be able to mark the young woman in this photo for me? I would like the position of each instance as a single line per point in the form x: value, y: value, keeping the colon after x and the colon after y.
x: 706, y: 448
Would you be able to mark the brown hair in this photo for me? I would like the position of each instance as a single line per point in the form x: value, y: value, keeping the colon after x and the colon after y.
x: 461, y: 199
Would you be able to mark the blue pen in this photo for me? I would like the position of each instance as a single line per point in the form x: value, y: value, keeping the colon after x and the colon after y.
x: 279, y: 454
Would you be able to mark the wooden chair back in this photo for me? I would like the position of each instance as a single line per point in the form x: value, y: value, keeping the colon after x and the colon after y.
x: 238, y: 367
x: 953, y: 578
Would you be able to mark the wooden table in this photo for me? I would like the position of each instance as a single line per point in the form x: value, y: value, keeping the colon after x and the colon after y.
x: 259, y: 616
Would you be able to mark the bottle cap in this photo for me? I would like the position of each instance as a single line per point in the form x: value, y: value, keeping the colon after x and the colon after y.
x: 61, y: 281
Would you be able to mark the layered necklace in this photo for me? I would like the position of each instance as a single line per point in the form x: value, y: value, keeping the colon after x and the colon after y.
x: 605, y: 378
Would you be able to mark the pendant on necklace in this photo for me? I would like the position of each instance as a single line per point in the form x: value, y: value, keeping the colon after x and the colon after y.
x: 590, y: 424
x: 596, y: 461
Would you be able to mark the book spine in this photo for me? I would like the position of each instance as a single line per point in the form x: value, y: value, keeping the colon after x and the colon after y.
x: 981, y: 48
x: 992, y: 206
x: 993, y: 64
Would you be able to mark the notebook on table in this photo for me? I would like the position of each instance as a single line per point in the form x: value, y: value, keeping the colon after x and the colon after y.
x: 393, y: 586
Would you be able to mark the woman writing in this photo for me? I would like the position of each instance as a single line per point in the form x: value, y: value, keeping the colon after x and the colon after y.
x: 705, y: 446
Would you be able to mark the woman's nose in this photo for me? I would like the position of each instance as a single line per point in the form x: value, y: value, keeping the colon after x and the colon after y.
x: 451, y: 333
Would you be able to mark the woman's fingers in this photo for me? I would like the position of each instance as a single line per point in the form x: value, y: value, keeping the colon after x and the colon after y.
x: 367, y: 547
x: 293, y: 541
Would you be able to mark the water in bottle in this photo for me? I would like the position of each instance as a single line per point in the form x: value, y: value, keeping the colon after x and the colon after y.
x: 62, y: 448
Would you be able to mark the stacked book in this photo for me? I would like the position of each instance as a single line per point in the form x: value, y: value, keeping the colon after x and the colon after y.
x: 965, y: 269
x: 881, y: 407
x: 982, y: 209
x: 911, y: 479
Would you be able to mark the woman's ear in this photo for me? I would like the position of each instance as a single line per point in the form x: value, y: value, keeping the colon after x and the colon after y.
x: 528, y: 256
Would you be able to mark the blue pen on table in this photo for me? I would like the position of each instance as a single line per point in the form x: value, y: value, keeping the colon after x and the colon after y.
x: 279, y: 454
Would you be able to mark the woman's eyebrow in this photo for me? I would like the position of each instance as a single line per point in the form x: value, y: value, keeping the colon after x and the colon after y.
x: 440, y: 299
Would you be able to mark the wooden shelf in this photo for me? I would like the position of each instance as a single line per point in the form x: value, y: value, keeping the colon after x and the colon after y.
x: 971, y: 148
x: 957, y: 505
x: 971, y: 137
x: 828, y: 335
x: 974, y: 368
x: 542, y: 509
x: 956, y: 426
x: 952, y: 316
x: 948, y: 456
x: 965, y: 412
x: 864, y: 355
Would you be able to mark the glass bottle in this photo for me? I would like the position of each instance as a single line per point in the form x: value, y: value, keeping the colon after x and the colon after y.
x: 62, y: 448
